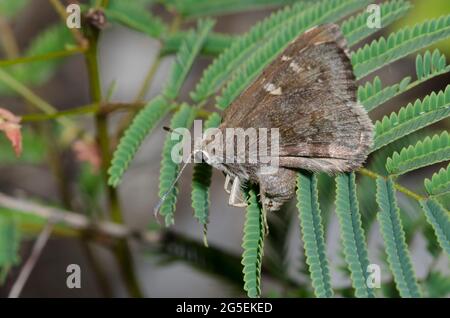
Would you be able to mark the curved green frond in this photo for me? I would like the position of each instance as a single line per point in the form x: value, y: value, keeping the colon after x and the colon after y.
x: 218, y: 71
x: 382, y: 52
x: 9, y: 244
x: 53, y: 39
x: 394, y: 240
x: 430, y: 64
x: 215, y: 43
x: 133, y: 137
x: 195, y: 8
x: 183, y: 118
x: 439, y: 183
x: 201, y: 181
x: 411, y: 118
x: 253, y: 244
x: 313, y: 234
x: 352, y: 234
x: 355, y: 28
x: 439, y: 218
x: 185, y: 57
x: 135, y: 15
x: 372, y: 95
x: 274, y: 45
x: 425, y: 153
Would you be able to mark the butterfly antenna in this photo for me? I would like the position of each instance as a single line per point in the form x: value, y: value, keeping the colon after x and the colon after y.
x: 166, y: 194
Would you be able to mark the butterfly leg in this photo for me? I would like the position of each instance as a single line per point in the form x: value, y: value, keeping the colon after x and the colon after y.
x: 235, y: 197
x: 227, y: 183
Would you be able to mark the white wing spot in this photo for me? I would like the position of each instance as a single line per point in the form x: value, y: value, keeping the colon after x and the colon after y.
x: 276, y: 91
x: 295, y: 67
x: 272, y: 89
x: 285, y: 58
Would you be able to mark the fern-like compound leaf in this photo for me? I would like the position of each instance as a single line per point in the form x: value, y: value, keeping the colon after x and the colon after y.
x: 287, y: 32
x: 439, y: 183
x: 356, y: 29
x: 135, y: 15
x: 9, y: 244
x: 425, y: 153
x: 195, y: 8
x: 394, y: 240
x: 183, y: 118
x: 372, y: 95
x: 411, y: 118
x: 253, y: 244
x: 185, y: 57
x: 383, y: 51
x: 439, y: 218
x: 352, y: 234
x: 215, y: 43
x: 201, y: 181
x: 430, y: 64
x: 129, y: 144
x: 313, y: 234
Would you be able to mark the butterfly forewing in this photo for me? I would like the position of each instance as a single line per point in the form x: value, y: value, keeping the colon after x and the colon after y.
x: 309, y: 94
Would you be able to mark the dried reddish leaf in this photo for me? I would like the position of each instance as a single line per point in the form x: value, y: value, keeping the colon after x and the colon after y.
x: 10, y: 125
x: 87, y: 151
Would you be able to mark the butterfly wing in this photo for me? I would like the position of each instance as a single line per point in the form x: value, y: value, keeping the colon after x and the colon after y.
x: 309, y: 94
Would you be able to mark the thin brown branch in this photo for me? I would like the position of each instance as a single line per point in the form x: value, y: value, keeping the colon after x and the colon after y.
x: 76, y: 221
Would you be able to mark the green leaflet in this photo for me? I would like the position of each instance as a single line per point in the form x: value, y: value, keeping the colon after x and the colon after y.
x: 201, y: 181
x: 220, y: 69
x: 53, y: 39
x: 372, y: 95
x: 352, y: 234
x: 189, y: 50
x: 312, y: 233
x: 439, y: 183
x: 197, y: 8
x: 430, y: 65
x: 411, y: 118
x: 382, y: 52
x: 439, y: 218
x: 9, y: 9
x: 135, y: 15
x: 437, y: 285
x: 9, y: 245
x: 183, y: 118
x: 133, y: 137
x: 424, y: 153
x: 355, y: 28
x: 215, y: 43
x: 394, y: 240
x: 253, y: 244
x: 269, y: 50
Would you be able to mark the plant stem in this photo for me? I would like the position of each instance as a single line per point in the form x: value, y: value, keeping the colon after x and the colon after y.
x: 61, y: 10
x: 122, y: 251
x: 8, y: 39
x: 84, y: 110
x: 42, y: 57
x: 399, y: 187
